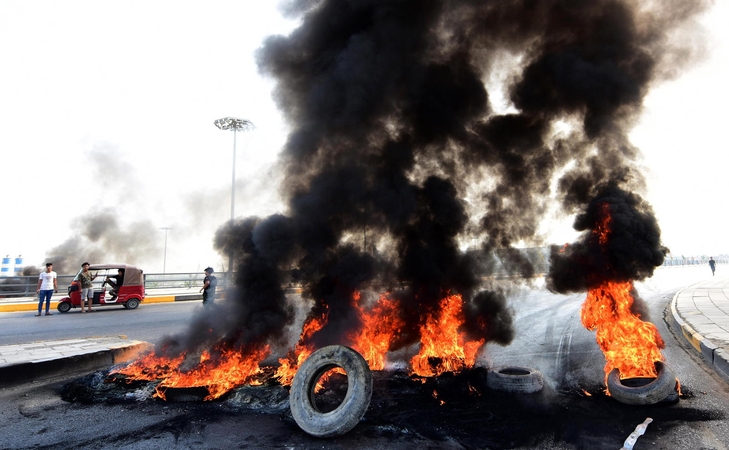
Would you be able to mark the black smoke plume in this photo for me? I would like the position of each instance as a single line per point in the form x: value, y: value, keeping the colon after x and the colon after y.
x: 399, y: 157
x: 630, y: 250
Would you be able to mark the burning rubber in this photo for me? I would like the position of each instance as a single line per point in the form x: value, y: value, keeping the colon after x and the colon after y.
x: 345, y: 416
x: 521, y: 380
x: 643, y: 391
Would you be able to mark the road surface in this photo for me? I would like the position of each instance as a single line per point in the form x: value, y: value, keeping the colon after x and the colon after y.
x: 570, y: 413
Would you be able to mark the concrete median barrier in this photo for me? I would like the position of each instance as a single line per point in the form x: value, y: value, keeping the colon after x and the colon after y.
x: 24, y: 363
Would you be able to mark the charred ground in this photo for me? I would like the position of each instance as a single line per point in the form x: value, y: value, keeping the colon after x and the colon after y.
x: 452, y: 410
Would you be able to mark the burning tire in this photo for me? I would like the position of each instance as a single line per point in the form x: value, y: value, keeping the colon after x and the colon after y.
x: 64, y: 307
x: 520, y: 380
x: 643, y: 391
x: 356, y: 401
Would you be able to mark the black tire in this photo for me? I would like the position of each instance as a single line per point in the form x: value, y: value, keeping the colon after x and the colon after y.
x: 643, y: 391
x: 132, y: 303
x: 355, y: 403
x: 519, y: 380
x: 64, y: 307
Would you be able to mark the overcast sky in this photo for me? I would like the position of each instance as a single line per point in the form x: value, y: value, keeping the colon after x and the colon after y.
x: 108, y: 107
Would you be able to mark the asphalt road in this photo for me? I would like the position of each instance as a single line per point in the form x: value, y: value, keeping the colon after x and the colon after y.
x: 549, y: 338
x: 149, y: 322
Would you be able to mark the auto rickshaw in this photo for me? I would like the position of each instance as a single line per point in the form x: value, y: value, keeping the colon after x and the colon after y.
x: 129, y: 294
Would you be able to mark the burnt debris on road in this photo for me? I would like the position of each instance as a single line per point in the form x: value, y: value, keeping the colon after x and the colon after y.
x: 451, y: 408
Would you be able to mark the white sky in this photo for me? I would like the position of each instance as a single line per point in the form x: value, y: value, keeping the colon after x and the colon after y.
x: 144, y: 80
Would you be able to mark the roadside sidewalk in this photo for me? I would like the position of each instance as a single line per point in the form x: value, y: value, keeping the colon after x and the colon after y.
x: 701, y: 311
x: 35, y: 361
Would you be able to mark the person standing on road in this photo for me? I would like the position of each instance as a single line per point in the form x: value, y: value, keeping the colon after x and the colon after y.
x: 47, y: 285
x: 209, y: 284
x: 712, y: 264
x: 85, y: 278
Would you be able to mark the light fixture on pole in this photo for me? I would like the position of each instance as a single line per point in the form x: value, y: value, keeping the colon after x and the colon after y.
x: 235, y: 124
x: 164, y: 263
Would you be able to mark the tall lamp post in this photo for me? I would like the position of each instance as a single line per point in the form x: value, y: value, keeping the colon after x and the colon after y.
x: 235, y: 124
x: 164, y: 261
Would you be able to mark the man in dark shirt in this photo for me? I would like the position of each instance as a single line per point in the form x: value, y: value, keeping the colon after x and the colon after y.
x: 116, y: 284
x: 209, y: 284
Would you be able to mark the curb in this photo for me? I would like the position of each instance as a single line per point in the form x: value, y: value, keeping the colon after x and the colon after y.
x: 716, y: 356
x: 13, y: 375
x: 33, y: 305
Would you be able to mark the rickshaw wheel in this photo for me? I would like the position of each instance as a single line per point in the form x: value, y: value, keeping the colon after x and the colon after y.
x: 132, y: 303
x: 64, y: 307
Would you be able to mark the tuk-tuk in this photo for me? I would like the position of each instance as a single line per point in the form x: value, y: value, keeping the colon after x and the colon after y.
x: 129, y: 294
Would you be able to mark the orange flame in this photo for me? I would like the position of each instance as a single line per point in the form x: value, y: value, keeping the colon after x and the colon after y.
x: 228, y: 369
x: 220, y: 374
x: 442, y: 347
x: 379, y: 327
x: 150, y: 367
x: 629, y: 344
x: 222, y: 368
x: 602, y: 229
x: 320, y: 383
x: 435, y: 396
x: 285, y: 373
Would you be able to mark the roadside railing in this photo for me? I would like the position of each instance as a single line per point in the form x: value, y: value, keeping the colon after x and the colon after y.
x: 692, y: 261
x: 25, y: 286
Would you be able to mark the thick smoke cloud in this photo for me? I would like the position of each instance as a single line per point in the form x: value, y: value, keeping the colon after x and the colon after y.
x: 393, y: 125
x: 631, y: 250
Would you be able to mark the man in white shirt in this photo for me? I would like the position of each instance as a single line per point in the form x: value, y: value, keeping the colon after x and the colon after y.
x: 47, y: 285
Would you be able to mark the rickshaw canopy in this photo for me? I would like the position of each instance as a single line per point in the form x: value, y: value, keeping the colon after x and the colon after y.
x: 132, y: 275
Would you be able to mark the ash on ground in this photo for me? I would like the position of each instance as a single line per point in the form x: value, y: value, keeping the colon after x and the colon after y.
x: 452, y: 408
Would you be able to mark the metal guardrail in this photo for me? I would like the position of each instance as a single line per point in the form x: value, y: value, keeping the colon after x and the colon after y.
x: 692, y: 261
x: 25, y: 286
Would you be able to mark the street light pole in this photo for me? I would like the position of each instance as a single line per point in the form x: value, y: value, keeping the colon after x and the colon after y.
x: 232, y: 183
x: 236, y: 125
x: 164, y: 261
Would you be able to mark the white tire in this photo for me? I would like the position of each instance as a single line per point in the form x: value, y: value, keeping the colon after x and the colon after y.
x: 521, y: 380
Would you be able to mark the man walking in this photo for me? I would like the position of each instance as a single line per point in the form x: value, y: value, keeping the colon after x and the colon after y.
x: 47, y: 285
x: 712, y: 264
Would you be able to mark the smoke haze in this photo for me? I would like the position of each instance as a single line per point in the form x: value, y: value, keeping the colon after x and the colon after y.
x: 101, y: 238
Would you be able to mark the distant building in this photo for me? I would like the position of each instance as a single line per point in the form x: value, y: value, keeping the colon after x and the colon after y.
x: 5, y: 269
x: 19, y: 266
